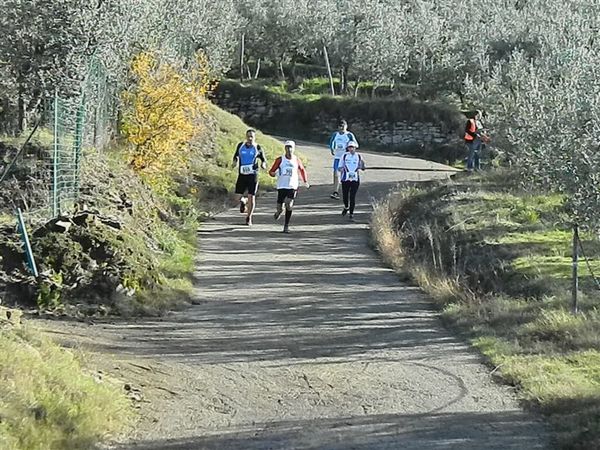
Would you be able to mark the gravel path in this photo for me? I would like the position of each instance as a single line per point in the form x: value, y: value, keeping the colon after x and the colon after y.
x: 306, y: 341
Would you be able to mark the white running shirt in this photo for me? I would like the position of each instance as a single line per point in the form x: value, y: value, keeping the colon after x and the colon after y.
x: 349, y: 166
x: 289, y: 177
x: 339, y: 142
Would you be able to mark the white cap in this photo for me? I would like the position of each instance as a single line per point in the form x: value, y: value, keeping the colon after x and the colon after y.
x: 352, y: 144
x: 289, y: 144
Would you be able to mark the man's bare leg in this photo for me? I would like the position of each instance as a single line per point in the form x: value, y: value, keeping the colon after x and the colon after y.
x: 250, y: 208
x: 278, y: 211
x: 289, y: 205
x: 336, y: 185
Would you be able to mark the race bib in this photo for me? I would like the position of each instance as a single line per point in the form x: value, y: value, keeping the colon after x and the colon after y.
x: 247, y: 169
x: 352, y: 176
x: 340, y: 146
x: 287, y: 172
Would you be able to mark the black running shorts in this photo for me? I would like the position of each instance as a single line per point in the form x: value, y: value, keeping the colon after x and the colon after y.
x: 282, y: 194
x: 246, y: 183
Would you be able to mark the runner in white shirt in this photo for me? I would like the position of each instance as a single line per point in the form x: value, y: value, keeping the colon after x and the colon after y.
x: 289, y: 170
x: 350, y: 165
x: 337, y: 145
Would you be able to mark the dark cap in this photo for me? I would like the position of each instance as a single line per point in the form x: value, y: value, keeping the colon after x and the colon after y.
x: 342, y: 122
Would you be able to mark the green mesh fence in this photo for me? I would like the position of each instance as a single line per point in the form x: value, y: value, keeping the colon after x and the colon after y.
x: 67, y: 140
x: 41, y: 173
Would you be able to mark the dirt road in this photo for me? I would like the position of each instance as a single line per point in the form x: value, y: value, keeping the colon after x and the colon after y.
x: 306, y: 341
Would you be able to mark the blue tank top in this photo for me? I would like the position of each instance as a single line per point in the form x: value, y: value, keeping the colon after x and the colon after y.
x: 248, y: 154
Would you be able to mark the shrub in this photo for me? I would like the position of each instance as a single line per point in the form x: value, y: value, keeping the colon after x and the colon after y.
x: 162, y: 112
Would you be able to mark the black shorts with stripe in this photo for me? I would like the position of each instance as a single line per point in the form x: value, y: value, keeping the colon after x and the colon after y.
x: 282, y: 194
x: 247, y: 183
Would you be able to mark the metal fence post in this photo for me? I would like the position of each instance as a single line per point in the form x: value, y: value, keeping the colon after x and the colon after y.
x: 55, y: 205
x: 575, y: 280
x: 78, y: 143
x: 25, y: 238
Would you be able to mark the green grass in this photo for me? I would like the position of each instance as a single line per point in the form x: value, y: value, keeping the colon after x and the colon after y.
x: 320, y: 86
x: 7, y: 219
x: 48, y: 402
x: 547, y: 380
x: 552, y: 266
x: 498, y: 262
x: 42, y: 137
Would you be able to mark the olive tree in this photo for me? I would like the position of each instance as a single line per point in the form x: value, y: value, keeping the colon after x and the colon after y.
x: 44, y: 46
x: 547, y: 106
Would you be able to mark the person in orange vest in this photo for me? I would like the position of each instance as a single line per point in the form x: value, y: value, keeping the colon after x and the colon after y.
x: 474, y: 138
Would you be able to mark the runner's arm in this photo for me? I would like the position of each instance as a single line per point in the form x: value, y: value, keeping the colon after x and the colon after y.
x: 275, y: 167
x: 353, y: 137
x: 236, y: 155
x: 302, y: 173
x: 261, y: 156
x: 331, y: 147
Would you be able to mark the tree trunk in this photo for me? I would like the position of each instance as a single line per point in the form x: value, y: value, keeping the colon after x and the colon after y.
x: 281, y: 71
x: 257, y: 69
x: 375, y: 86
x: 344, y: 80
x: 461, y: 97
x: 248, y: 72
x: 20, y: 110
x: 326, y: 55
x: 357, y: 87
x: 242, y: 49
x: 5, y: 122
x: 95, y: 128
x: 293, y: 71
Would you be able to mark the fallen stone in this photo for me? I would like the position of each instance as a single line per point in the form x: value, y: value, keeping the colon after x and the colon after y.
x: 83, y: 219
x: 111, y: 223
x: 62, y: 226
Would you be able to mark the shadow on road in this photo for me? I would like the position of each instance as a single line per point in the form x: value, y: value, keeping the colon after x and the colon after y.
x: 266, y: 296
x: 508, y: 430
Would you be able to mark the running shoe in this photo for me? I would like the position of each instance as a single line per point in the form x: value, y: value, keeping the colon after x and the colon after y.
x: 242, y: 207
x: 344, y: 211
x: 277, y: 215
x: 351, y: 217
x: 286, y: 229
x: 248, y: 221
x: 335, y: 196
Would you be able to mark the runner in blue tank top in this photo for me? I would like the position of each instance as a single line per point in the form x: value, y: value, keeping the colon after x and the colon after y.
x: 246, y: 159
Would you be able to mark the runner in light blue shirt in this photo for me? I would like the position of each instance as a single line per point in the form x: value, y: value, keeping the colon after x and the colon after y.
x: 337, y: 145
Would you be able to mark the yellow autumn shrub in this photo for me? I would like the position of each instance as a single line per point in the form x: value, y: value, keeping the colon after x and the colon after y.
x: 163, y: 113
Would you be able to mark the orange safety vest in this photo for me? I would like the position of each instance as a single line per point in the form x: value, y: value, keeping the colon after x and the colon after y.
x: 472, y: 129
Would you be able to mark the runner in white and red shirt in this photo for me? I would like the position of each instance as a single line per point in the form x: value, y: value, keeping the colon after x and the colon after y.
x: 289, y: 170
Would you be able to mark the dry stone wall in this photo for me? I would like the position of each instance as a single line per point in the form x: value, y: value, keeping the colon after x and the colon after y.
x: 267, y: 113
